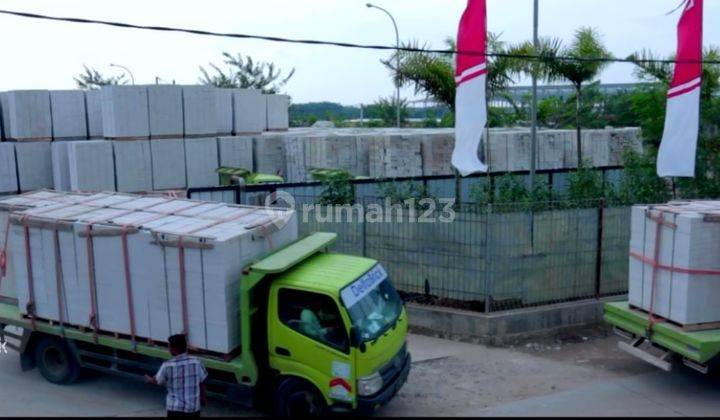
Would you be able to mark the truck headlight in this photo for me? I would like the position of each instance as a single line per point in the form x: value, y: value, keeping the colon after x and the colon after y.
x: 369, y: 385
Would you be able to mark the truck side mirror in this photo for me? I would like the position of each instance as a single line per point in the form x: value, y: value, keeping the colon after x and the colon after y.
x: 355, y: 340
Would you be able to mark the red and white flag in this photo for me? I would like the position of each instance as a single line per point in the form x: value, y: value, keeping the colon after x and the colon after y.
x: 470, y: 76
x: 682, y: 121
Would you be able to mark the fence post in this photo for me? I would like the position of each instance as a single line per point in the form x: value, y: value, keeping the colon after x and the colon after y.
x: 363, y: 223
x: 488, y: 297
x: 599, y: 250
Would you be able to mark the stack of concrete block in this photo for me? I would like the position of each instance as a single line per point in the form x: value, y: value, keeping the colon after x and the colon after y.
x: 199, y: 111
x: 34, y: 165
x: 69, y: 115
x: 570, y: 152
x: 437, y: 152
x: 93, y: 105
x: 333, y: 152
x: 498, y: 151
x: 168, y: 164
x: 91, y: 165
x: 26, y: 115
x: 596, y: 147
x: 201, y: 162
x: 60, y: 166
x: 269, y: 154
x: 221, y: 240
x: 551, y: 147
x: 236, y: 152
x: 395, y: 155
x: 690, y: 238
x: 224, y: 110
x: 165, y: 107
x: 296, y: 164
x: 363, y: 155
x: 125, y: 112
x: 8, y: 169
x: 278, y: 110
x: 519, y: 153
x: 249, y: 112
x: 621, y: 140
x: 133, y: 166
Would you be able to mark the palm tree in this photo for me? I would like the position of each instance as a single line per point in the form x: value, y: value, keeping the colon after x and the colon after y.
x: 244, y: 72
x: 578, y: 63
x: 92, y: 79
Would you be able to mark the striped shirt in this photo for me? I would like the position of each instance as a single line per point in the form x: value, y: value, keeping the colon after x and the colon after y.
x: 182, y: 377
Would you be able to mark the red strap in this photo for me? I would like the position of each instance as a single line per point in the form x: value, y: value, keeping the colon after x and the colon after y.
x: 59, y: 281
x: 659, y: 220
x: 673, y: 269
x: 128, y: 285
x: 91, y: 280
x: 3, y: 250
x: 183, y: 286
x: 30, y: 308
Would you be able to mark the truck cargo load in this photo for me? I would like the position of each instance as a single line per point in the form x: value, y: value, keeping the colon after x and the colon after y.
x: 140, y: 266
x: 674, y: 261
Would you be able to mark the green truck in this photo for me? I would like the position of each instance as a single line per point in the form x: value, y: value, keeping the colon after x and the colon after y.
x: 239, y: 176
x: 355, y: 362
x: 663, y: 344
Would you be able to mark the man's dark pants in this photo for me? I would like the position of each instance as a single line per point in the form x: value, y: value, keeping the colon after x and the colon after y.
x: 182, y: 414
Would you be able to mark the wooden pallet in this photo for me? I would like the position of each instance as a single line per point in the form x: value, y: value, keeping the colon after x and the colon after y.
x: 685, y: 327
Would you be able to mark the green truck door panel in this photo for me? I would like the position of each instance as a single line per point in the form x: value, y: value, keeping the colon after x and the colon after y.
x: 295, y: 351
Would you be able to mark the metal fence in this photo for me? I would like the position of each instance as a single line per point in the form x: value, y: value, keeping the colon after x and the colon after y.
x: 487, y: 257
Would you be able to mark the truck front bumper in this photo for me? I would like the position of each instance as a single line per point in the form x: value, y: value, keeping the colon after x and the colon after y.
x: 367, y: 405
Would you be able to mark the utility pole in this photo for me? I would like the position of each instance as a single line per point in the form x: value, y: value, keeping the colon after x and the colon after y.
x: 397, y: 56
x: 533, y: 136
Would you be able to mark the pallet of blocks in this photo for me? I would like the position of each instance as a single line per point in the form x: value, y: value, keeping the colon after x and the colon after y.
x: 119, y: 263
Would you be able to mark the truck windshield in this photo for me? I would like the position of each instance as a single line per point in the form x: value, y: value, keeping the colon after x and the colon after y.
x: 372, y: 303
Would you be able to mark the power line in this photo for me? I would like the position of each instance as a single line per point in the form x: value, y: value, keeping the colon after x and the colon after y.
x: 345, y: 44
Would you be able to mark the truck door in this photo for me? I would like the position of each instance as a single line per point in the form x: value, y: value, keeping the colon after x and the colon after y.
x: 308, y: 338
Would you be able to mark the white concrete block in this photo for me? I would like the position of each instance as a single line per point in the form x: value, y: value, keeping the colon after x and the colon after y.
x: 8, y: 168
x: 199, y: 110
x: 60, y: 166
x: 201, y: 162
x: 34, y: 162
x: 236, y: 152
x: 91, y: 165
x: 278, y: 112
x: 133, y: 166
x: 224, y: 109
x: 69, y: 116
x: 26, y: 115
x: 165, y: 105
x: 93, y: 105
x: 168, y: 164
x: 125, y: 112
x: 269, y: 154
x: 249, y: 111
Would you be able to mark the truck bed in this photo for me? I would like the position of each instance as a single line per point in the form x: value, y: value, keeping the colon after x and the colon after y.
x: 699, y: 346
x: 10, y: 315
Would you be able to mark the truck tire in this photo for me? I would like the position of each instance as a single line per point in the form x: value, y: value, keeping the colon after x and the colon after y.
x: 56, y: 361
x: 296, y: 398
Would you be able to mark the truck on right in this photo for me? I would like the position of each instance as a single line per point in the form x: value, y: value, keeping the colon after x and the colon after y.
x: 672, y: 315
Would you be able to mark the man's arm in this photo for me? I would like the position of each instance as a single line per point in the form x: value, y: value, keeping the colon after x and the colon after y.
x: 159, y: 378
x: 203, y: 379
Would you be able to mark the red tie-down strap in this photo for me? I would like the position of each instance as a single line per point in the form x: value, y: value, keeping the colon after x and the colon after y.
x: 59, y: 281
x: 3, y: 250
x: 128, y: 285
x: 30, y: 308
x: 92, y: 283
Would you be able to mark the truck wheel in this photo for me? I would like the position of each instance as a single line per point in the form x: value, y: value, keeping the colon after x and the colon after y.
x: 296, y: 398
x: 56, y: 362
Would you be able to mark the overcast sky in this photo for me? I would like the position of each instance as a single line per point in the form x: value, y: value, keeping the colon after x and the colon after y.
x: 40, y: 54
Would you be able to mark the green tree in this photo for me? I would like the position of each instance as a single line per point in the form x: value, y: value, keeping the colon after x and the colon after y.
x: 91, y: 78
x: 246, y: 73
x: 385, y: 109
x: 579, y: 69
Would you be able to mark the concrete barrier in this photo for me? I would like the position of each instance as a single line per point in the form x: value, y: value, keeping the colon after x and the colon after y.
x: 168, y: 164
x: 165, y: 106
x: 125, y: 112
x: 133, y: 166
x: 69, y: 116
x: 34, y: 165
x: 26, y: 115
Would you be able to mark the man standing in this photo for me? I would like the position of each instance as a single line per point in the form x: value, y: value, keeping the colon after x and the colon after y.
x: 184, y: 377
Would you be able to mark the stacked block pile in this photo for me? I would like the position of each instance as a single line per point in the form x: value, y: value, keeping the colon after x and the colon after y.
x: 130, y: 138
x: 144, y: 300
x: 683, y: 239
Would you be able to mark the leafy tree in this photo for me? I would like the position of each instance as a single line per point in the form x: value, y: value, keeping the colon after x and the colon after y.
x: 585, y: 46
x: 244, y: 72
x: 386, y: 110
x: 91, y: 78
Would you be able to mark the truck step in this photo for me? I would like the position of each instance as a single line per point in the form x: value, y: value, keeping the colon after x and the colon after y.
x: 633, y: 348
x: 699, y: 367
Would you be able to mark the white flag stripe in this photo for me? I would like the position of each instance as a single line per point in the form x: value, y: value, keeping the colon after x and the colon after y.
x: 679, y: 145
x: 470, y: 71
x: 685, y: 86
x: 470, y: 121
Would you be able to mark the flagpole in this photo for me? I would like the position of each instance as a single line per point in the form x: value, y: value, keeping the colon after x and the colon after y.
x: 533, y: 147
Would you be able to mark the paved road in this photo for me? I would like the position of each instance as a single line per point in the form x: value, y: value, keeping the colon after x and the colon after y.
x: 589, y: 378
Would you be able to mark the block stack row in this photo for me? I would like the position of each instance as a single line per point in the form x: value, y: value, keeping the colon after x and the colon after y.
x: 219, y: 241
x: 130, y: 138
